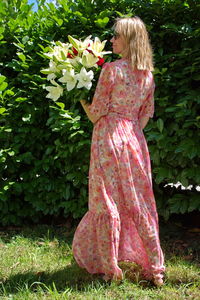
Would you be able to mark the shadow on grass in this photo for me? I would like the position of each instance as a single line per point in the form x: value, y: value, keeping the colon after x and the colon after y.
x: 75, y: 279
x: 71, y: 277
x: 38, y: 232
x: 175, y: 241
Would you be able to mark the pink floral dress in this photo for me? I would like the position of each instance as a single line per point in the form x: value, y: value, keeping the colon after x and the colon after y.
x: 122, y: 221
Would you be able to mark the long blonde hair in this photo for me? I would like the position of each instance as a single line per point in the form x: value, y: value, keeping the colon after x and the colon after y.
x: 138, y: 48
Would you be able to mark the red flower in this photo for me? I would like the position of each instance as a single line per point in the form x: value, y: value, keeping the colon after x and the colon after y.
x: 74, y: 51
x: 100, y: 61
x: 69, y: 55
x: 90, y: 51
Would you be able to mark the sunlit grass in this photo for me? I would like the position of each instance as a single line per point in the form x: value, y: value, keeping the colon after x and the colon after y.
x: 37, y: 263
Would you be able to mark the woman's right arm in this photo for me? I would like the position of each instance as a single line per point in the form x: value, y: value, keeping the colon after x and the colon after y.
x: 102, y: 95
x: 92, y: 117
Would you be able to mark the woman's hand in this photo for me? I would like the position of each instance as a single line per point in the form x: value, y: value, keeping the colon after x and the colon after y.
x: 143, y: 122
x: 91, y: 117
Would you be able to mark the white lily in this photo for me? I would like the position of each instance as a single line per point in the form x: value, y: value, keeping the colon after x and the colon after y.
x: 69, y: 78
x: 51, y: 70
x: 76, y: 61
x: 85, y: 79
x: 79, y: 45
x: 64, y: 65
x: 51, y: 76
x: 58, y: 52
x: 55, y: 91
x: 88, y: 59
x: 97, y: 46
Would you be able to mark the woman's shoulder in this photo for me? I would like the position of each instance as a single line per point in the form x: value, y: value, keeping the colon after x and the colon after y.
x: 112, y: 64
x: 109, y: 68
x: 114, y: 67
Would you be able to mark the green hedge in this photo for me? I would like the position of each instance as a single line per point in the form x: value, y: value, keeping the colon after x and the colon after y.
x: 44, y: 148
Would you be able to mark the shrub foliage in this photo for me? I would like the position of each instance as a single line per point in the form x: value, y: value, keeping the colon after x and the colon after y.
x: 45, y: 148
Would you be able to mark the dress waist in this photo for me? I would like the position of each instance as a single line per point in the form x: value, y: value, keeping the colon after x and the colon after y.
x: 123, y: 116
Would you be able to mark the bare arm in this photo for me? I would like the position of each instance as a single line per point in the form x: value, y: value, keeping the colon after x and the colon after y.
x: 143, y: 121
x: 91, y: 116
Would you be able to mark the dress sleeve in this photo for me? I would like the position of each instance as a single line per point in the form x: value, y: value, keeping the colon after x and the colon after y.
x: 100, y: 102
x: 147, y: 108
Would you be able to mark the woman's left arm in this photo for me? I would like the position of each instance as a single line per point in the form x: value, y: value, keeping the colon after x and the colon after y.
x: 147, y: 108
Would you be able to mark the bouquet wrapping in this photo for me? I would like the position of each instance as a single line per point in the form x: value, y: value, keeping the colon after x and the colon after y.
x: 72, y: 66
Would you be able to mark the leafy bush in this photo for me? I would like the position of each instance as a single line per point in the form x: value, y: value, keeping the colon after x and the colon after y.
x: 44, y: 153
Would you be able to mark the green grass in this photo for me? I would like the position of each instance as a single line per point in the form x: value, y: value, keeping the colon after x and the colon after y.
x: 37, y: 263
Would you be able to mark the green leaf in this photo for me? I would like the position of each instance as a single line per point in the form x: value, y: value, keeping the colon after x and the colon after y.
x: 2, y: 78
x: 61, y: 105
x: 84, y: 20
x: 184, y: 182
x: 8, y: 93
x: 175, y: 204
x: 8, y: 130
x: 21, y: 56
x: 160, y: 51
x: 160, y: 124
x: 21, y: 99
x: 59, y: 21
x: 66, y: 115
x: 156, y: 71
x: 156, y: 156
x: 63, y: 55
x: 194, y: 203
x: 163, y: 70
x: 184, y: 206
x: 163, y: 173
x: 171, y: 109
x: 102, y: 22
x: 45, y: 71
x: 3, y: 86
x: 2, y: 110
x: 11, y: 153
x: 66, y: 193
x: 20, y: 46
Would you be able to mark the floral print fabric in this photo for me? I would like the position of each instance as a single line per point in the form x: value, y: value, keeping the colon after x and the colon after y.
x: 122, y: 221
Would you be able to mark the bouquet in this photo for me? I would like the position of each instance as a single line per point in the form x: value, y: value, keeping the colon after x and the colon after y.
x: 72, y: 66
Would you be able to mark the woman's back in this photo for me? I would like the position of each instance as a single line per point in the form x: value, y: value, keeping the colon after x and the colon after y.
x: 124, y: 91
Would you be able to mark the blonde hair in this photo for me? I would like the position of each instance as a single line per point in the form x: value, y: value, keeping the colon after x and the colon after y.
x: 138, y: 48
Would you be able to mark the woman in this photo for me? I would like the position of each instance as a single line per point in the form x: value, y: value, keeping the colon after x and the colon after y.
x: 122, y: 221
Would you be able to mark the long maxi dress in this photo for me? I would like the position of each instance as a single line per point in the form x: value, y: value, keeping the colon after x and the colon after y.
x: 122, y: 222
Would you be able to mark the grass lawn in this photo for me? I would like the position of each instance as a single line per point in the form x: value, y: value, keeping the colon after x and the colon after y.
x: 37, y: 263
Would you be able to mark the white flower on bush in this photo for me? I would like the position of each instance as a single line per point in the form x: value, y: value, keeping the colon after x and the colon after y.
x: 55, y: 91
x: 85, y: 79
x: 88, y: 59
x: 69, y: 78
